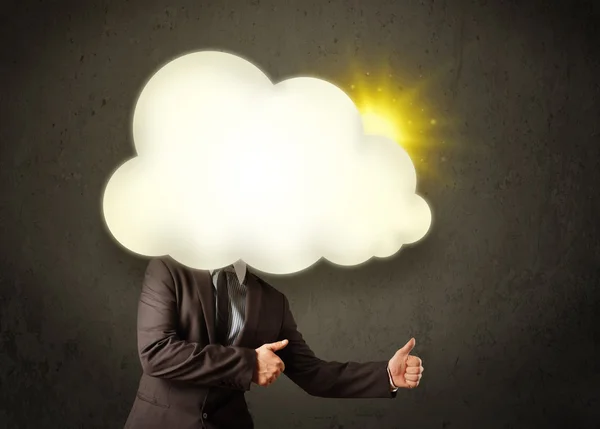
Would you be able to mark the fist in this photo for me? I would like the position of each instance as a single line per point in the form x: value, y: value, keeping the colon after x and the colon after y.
x: 406, y: 370
x: 269, y: 366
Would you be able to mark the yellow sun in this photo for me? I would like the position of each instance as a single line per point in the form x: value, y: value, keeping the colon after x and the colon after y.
x: 395, y: 109
x: 385, y: 110
x: 378, y: 123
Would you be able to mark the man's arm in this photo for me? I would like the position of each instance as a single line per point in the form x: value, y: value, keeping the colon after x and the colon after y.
x: 329, y: 379
x: 164, y: 355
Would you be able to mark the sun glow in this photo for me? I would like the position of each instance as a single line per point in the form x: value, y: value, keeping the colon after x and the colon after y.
x: 380, y: 123
x: 391, y: 109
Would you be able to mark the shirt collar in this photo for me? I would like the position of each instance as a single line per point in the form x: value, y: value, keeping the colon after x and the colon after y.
x: 239, y: 267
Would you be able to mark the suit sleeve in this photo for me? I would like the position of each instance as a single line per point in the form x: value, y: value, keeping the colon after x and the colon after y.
x: 329, y: 379
x: 164, y: 355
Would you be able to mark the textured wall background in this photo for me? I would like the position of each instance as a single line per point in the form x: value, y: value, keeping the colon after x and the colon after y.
x: 502, y: 295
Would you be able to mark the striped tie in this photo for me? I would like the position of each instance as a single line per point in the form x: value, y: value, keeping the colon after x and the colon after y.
x: 223, y: 308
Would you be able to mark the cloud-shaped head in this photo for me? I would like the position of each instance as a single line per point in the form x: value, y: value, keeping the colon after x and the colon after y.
x: 231, y: 166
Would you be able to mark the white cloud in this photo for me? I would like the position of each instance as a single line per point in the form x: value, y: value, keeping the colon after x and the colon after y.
x: 230, y: 166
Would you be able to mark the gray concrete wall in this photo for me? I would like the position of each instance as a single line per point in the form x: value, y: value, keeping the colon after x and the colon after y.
x: 500, y: 295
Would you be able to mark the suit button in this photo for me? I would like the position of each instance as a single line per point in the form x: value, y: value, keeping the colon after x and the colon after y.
x: 204, y: 416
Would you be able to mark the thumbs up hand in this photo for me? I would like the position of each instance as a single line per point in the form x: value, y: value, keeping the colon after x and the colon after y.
x: 406, y: 370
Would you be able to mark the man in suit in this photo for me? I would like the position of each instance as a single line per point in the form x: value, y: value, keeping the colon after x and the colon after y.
x: 205, y: 336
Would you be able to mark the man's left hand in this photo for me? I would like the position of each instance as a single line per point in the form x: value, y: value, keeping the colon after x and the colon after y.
x: 406, y: 370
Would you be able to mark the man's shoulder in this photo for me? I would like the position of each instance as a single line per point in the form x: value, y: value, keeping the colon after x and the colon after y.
x: 267, y: 287
x: 164, y: 262
x: 168, y: 262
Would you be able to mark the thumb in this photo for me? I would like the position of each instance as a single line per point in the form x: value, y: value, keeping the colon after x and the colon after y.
x: 277, y: 345
x: 407, y: 347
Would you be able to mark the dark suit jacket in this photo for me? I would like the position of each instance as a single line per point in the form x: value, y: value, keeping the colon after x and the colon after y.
x: 190, y: 382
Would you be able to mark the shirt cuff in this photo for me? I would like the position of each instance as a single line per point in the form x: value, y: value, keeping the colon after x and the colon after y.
x: 393, y: 387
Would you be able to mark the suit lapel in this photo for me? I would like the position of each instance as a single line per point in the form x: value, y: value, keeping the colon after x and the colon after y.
x: 206, y: 294
x: 253, y: 305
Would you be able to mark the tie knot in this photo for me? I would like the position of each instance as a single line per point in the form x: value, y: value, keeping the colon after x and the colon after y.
x: 228, y: 269
x: 227, y: 272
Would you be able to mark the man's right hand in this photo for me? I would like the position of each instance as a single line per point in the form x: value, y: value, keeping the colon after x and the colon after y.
x: 268, y: 365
